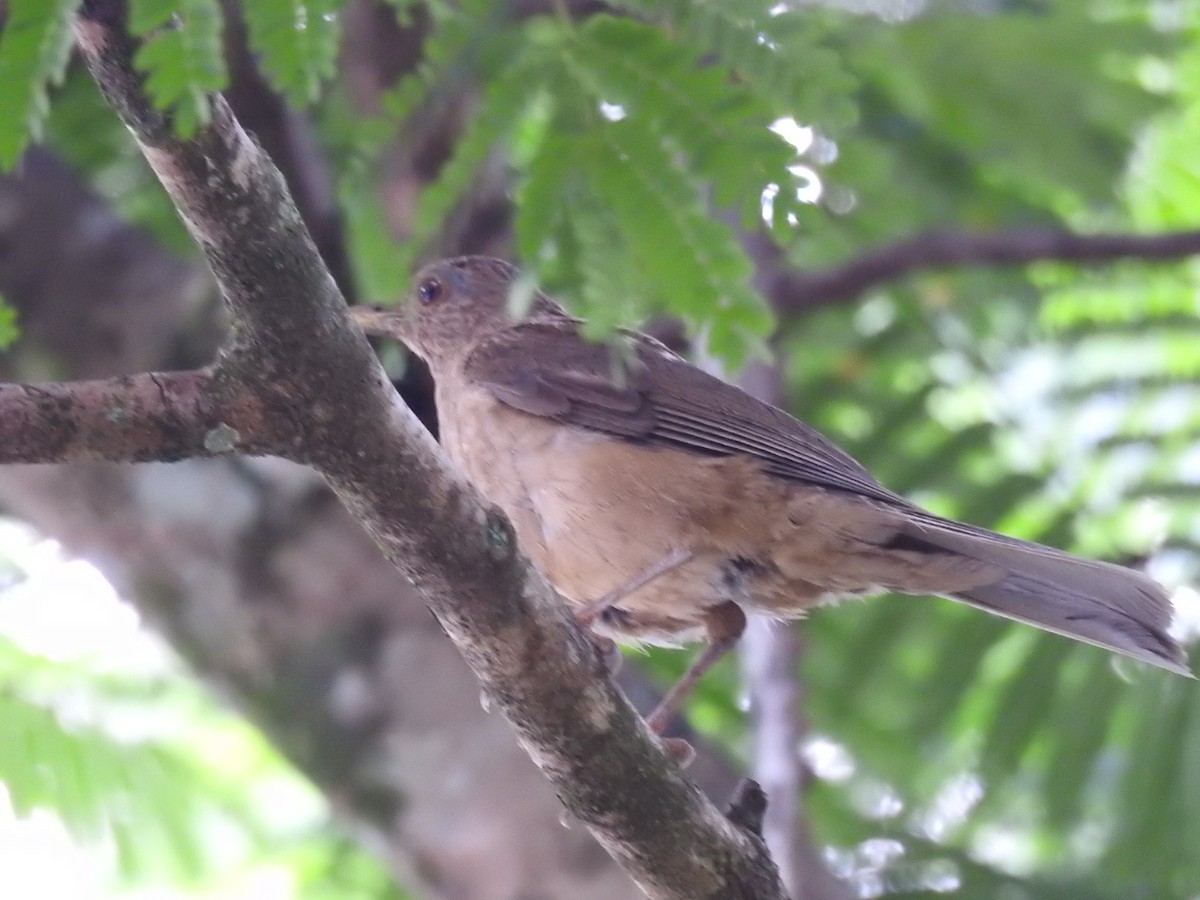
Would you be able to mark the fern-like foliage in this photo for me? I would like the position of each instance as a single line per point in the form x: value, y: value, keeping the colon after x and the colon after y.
x: 181, y: 55
x: 685, y: 253
x: 34, y: 48
x: 84, y: 134
x: 1095, y: 452
x: 616, y: 134
x: 104, y: 729
x: 508, y: 101
x: 722, y: 128
x: 151, y: 798
x: 778, y: 48
x: 623, y: 139
x: 9, y: 330
x: 1050, y: 738
x: 1129, y: 404
x: 474, y: 41
x: 373, y: 246
x: 297, y: 41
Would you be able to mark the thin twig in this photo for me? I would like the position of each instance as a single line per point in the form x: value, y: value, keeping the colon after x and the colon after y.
x: 795, y: 291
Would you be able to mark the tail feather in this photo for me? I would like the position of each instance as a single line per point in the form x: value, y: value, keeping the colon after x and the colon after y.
x: 1096, y: 602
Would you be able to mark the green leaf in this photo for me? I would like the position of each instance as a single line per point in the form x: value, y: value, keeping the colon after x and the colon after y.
x: 1023, y: 706
x: 181, y: 55
x: 9, y: 330
x: 543, y: 226
x: 721, y: 125
x: 692, y: 263
x: 779, y: 52
x: 96, y: 784
x: 509, y: 101
x: 1156, y: 830
x: 297, y: 41
x: 373, y: 247
x: 988, y: 97
x: 34, y: 48
x: 85, y: 134
x: 612, y: 290
x: 1096, y: 692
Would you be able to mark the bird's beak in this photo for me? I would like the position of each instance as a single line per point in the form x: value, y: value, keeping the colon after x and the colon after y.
x: 381, y: 321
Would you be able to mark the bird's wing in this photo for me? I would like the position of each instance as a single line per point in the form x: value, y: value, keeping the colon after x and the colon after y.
x: 638, y: 390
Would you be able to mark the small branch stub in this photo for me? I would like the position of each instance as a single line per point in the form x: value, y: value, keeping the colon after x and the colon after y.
x: 748, y: 807
x: 221, y: 439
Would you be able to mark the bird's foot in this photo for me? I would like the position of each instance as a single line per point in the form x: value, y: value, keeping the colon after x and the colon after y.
x: 608, y: 652
x: 679, y: 750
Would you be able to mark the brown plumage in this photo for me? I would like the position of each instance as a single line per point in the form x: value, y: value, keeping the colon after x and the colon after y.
x: 617, y: 460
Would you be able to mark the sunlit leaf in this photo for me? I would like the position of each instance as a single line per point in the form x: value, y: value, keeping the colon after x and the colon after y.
x: 181, y: 55
x: 34, y: 47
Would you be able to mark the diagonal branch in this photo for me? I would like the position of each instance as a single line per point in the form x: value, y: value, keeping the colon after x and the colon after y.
x: 315, y: 379
x: 799, y: 291
x: 154, y: 416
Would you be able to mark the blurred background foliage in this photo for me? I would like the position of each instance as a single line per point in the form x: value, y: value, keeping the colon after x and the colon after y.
x: 118, y: 768
x: 950, y: 752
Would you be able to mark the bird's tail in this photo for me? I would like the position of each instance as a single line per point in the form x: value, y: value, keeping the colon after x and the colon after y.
x: 1096, y: 602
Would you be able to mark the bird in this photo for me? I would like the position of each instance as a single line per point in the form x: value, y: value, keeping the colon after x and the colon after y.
x: 663, y: 503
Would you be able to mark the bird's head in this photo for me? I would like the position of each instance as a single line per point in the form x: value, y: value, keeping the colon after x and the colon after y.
x: 454, y: 304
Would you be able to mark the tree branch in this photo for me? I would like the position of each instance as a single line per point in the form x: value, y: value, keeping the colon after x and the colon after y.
x: 313, y: 374
x: 799, y: 292
x: 154, y: 416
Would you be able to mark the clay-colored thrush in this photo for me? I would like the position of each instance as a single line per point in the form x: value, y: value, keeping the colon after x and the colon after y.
x: 661, y: 502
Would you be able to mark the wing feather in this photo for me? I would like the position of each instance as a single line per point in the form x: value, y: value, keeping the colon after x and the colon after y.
x: 643, y: 392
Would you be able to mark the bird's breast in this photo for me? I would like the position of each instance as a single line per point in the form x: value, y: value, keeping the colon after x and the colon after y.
x: 593, y: 511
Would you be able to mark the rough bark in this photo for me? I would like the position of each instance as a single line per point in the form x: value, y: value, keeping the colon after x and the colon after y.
x: 150, y: 417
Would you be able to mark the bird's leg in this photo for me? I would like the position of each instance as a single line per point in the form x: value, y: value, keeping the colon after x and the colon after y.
x: 724, y: 624
x: 590, y: 611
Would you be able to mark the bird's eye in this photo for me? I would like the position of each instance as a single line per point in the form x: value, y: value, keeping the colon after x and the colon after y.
x: 430, y: 291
